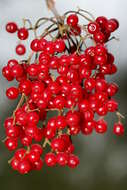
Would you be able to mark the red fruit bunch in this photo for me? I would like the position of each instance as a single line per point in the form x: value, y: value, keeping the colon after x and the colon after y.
x: 65, y: 75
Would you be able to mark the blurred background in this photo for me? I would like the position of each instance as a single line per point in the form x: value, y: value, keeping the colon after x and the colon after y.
x: 103, y: 159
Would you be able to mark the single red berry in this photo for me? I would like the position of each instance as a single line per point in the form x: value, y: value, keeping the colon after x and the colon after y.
x: 50, y: 159
x: 73, y: 161
x: 118, y: 129
x: 111, y: 25
x: 24, y: 167
x: 17, y: 71
x: 37, y: 148
x: 22, y: 33
x: 62, y: 158
x: 34, y: 45
x: 14, y: 163
x: 12, y: 93
x: 13, y: 131
x: 61, y: 122
x: 89, y: 84
x: 32, y: 70
x: 38, y: 164
x: 72, y: 20
x: 58, y: 144
x: 8, y: 122
x: 12, y: 62
x: 99, y: 37
x: 59, y: 45
x: 11, y: 27
x: 6, y: 72
x: 26, y: 140
x: 93, y: 27
x: 11, y: 144
x: 112, y: 89
x: 25, y: 87
x: 33, y: 156
x: 102, y: 21
x: 72, y: 118
x: 87, y: 127
x: 20, y: 154
x: 101, y: 126
x: 20, y: 49
x: 111, y: 105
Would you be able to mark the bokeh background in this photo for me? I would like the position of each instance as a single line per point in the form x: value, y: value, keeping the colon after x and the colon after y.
x: 103, y: 158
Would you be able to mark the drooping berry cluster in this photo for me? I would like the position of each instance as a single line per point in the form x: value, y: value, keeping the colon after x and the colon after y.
x: 63, y: 75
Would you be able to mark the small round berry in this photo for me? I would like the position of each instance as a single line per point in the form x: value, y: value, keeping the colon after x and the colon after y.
x: 99, y: 37
x: 50, y: 159
x: 62, y: 158
x: 34, y: 45
x: 38, y: 164
x: 22, y: 33
x: 20, y: 154
x: 12, y: 93
x: 24, y: 167
x: 73, y: 161
x: 72, y: 118
x: 111, y: 105
x: 101, y: 126
x: 13, y: 131
x: 118, y: 129
x: 58, y: 144
x: 17, y: 70
x: 111, y: 25
x: 25, y: 87
x: 11, y: 27
x: 72, y: 20
x: 6, y: 72
x: 112, y: 89
x: 87, y: 127
x: 14, y: 163
x: 93, y: 27
x: 11, y: 144
x: 33, y: 156
x: 20, y: 49
x: 59, y: 45
x: 37, y: 148
x: 61, y: 122
x: 8, y: 122
x: 102, y: 21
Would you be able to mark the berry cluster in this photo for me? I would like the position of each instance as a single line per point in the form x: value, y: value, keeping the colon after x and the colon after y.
x: 62, y: 75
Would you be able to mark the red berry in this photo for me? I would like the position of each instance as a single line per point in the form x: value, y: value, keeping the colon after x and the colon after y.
x: 58, y: 144
x: 73, y: 161
x: 38, y: 164
x: 22, y: 33
x: 37, y: 148
x: 11, y: 144
x: 33, y: 156
x: 14, y: 163
x: 20, y: 49
x: 72, y: 20
x: 93, y: 27
x: 12, y: 93
x: 20, y: 154
x: 11, y: 27
x: 50, y: 159
x: 34, y: 45
x: 62, y: 158
x: 101, y: 126
x: 24, y: 167
x: 112, y: 105
x: 99, y: 37
x: 118, y: 129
